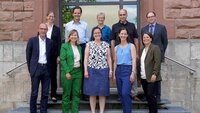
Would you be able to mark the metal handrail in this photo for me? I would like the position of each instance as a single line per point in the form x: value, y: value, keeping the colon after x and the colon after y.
x: 180, y: 64
x: 15, y: 68
x: 165, y: 57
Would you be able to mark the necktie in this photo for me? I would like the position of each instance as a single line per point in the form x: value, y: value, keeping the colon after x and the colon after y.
x: 151, y: 28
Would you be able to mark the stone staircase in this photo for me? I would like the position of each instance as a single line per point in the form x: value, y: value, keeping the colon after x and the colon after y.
x: 171, y: 81
x: 112, y: 106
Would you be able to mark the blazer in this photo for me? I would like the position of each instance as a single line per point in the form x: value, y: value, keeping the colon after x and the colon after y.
x: 56, y: 37
x: 32, y: 54
x: 152, y: 62
x: 159, y: 37
x: 67, y: 57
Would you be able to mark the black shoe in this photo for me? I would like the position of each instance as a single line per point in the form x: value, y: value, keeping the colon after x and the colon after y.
x: 54, y: 99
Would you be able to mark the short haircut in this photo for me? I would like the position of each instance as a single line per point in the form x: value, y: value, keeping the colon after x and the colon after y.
x: 121, y: 10
x: 76, y: 7
x: 101, y: 14
x: 150, y: 12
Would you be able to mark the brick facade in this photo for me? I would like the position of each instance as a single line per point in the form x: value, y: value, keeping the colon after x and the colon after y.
x: 186, y: 14
x: 20, y: 18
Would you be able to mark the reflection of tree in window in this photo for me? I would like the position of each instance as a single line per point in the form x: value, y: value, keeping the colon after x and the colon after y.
x: 66, y: 10
x: 87, y: 0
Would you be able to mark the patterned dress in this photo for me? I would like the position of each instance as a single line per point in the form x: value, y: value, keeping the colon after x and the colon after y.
x: 98, y: 82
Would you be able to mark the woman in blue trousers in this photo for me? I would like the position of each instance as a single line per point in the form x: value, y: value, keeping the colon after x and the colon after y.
x: 124, y: 69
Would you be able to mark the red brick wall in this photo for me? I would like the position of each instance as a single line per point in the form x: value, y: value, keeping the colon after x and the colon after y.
x: 19, y: 19
x: 158, y: 7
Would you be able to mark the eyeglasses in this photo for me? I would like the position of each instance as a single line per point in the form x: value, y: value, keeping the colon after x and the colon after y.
x: 150, y: 16
x: 122, y: 14
x: 43, y: 29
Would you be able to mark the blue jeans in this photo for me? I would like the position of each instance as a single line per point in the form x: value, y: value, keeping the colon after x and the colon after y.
x: 124, y: 85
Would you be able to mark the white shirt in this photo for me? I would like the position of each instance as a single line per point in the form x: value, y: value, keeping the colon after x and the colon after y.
x: 49, y: 32
x: 142, y: 66
x: 76, y: 56
x: 81, y: 27
x: 42, y: 51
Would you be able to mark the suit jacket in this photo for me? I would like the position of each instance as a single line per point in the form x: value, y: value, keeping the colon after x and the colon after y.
x: 67, y: 58
x: 152, y: 62
x: 32, y: 54
x: 56, y: 37
x: 159, y: 37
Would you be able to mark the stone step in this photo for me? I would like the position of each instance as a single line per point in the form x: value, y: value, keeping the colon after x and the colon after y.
x: 170, y: 109
x: 110, y: 104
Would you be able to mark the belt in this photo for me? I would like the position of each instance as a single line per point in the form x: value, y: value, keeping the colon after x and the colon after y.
x: 42, y: 65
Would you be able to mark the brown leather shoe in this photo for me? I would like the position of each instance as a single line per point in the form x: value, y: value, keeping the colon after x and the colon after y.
x: 135, y: 98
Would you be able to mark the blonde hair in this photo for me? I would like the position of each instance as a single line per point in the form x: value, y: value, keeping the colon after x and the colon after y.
x: 72, y: 32
x: 101, y: 14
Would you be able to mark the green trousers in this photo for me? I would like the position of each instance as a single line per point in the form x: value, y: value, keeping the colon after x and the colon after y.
x: 71, y: 88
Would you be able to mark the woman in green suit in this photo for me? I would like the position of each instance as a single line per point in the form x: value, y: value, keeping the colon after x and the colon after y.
x: 71, y: 74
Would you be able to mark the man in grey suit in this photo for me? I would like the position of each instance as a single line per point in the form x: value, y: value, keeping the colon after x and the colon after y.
x: 160, y: 38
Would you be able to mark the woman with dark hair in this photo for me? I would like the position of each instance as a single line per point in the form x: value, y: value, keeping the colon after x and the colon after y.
x: 124, y: 69
x: 150, y: 70
x: 97, y: 70
x: 71, y: 72
x: 53, y: 33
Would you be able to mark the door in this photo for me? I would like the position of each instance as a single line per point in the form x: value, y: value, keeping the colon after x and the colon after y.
x: 90, y: 9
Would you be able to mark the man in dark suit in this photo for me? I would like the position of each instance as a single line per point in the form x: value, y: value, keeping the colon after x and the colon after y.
x: 160, y: 38
x: 39, y: 55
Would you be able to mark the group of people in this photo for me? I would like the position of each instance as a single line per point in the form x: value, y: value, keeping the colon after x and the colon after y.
x: 89, y: 63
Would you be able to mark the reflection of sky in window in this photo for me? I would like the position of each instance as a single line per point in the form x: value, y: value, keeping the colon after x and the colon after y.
x: 132, y: 13
x: 112, y: 0
x: 107, y: 0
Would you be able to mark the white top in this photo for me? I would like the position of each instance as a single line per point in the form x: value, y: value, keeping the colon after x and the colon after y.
x: 42, y: 51
x: 142, y: 66
x: 76, y: 56
x: 49, y: 32
x: 81, y: 27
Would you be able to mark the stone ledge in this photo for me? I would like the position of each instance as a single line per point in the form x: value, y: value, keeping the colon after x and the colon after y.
x: 169, y: 110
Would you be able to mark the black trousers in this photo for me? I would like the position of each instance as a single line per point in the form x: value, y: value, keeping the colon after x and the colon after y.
x: 54, y: 78
x: 41, y: 76
x: 158, y: 90
x: 149, y: 91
